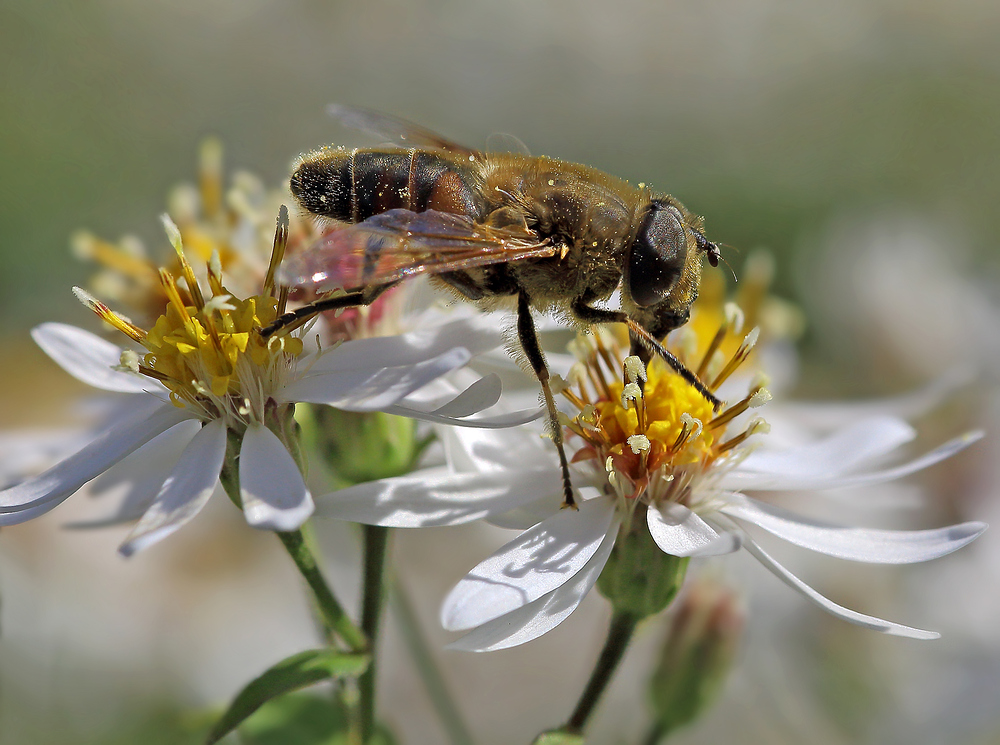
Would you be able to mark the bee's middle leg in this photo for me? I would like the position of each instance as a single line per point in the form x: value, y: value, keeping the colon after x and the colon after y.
x: 533, y: 350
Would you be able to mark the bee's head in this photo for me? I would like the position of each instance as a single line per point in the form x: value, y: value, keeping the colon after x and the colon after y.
x: 666, y: 246
x: 663, y: 263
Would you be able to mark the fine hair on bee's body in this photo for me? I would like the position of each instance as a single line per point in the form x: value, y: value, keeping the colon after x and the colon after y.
x: 501, y: 230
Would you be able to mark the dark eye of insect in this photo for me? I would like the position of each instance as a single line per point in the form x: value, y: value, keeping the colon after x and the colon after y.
x: 657, y: 257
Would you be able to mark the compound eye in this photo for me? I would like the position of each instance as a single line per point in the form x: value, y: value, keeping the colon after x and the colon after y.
x: 657, y: 257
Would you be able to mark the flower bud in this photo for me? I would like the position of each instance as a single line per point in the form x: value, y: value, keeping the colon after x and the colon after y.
x: 365, y: 446
x: 700, y: 646
x: 639, y: 579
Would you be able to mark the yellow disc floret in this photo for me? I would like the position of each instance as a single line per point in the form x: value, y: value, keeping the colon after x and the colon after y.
x: 207, y: 351
x: 652, y: 431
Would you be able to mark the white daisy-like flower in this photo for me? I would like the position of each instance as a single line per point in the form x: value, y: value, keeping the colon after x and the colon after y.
x: 655, y: 458
x: 209, y: 393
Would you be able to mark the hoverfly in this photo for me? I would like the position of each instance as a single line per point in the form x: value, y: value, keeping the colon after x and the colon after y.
x: 498, y: 229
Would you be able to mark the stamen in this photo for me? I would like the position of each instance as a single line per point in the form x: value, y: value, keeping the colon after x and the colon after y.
x: 757, y: 426
x: 210, y: 176
x: 149, y: 372
x: 638, y: 443
x: 753, y: 400
x: 174, y: 236
x: 283, y: 299
x: 588, y: 415
x: 713, y: 347
x: 215, y: 273
x: 277, y: 250
x: 631, y: 392
x: 634, y: 369
x: 170, y: 288
x: 109, y: 316
x: 558, y: 384
x: 691, y: 428
x: 695, y: 424
x: 598, y: 381
x: 760, y: 380
x: 602, y: 350
x: 573, y: 398
x: 129, y: 360
x: 86, y: 246
x: 734, y: 317
x: 741, y: 354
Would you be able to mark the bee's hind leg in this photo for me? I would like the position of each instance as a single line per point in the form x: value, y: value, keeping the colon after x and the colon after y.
x: 350, y: 299
x: 532, y: 349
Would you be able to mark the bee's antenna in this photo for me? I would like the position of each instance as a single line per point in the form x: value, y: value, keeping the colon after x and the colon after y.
x: 730, y: 268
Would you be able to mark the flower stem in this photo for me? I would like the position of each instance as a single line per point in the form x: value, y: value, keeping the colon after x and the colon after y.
x: 656, y: 734
x: 376, y: 542
x: 296, y: 543
x: 619, y: 636
x: 333, y: 614
x: 423, y: 658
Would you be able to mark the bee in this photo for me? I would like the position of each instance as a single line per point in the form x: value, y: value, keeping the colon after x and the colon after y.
x: 498, y: 229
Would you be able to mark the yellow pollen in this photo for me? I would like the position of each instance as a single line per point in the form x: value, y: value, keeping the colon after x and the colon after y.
x: 200, y: 352
x: 654, y: 432
x: 666, y: 400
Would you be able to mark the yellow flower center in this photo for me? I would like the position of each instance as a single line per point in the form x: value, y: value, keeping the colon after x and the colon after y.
x: 207, y: 351
x: 649, y: 429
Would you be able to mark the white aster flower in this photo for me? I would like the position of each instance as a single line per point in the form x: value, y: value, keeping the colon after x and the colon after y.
x: 657, y: 459
x: 208, y: 392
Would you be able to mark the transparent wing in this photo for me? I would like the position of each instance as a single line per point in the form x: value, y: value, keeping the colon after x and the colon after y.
x: 399, y: 243
x: 502, y: 142
x: 397, y: 131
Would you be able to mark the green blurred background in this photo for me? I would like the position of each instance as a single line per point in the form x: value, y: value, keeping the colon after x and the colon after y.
x: 782, y: 122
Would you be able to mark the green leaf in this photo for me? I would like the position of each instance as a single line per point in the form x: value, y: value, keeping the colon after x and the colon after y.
x: 557, y: 737
x: 298, y: 671
x: 298, y: 719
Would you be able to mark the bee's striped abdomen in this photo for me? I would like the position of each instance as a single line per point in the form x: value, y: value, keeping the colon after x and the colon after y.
x: 353, y: 185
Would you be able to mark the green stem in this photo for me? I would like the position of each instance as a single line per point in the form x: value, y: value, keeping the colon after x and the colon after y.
x: 619, y: 635
x: 655, y: 735
x: 334, y: 618
x: 423, y: 658
x: 376, y: 541
x: 333, y: 614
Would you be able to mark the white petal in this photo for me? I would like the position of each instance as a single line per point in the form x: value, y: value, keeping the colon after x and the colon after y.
x: 273, y: 493
x: 869, y: 622
x: 738, y: 480
x: 370, y: 388
x: 38, y: 495
x: 680, y: 532
x: 134, y: 482
x: 476, y: 335
x: 534, y: 511
x: 469, y: 449
x: 185, y: 491
x: 856, y: 544
x: 537, y: 562
x: 909, y: 406
x: 497, y: 421
x: 482, y: 394
x: 458, y: 409
x: 843, y: 451
x: 542, y: 615
x: 88, y: 358
x: 436, y: 497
